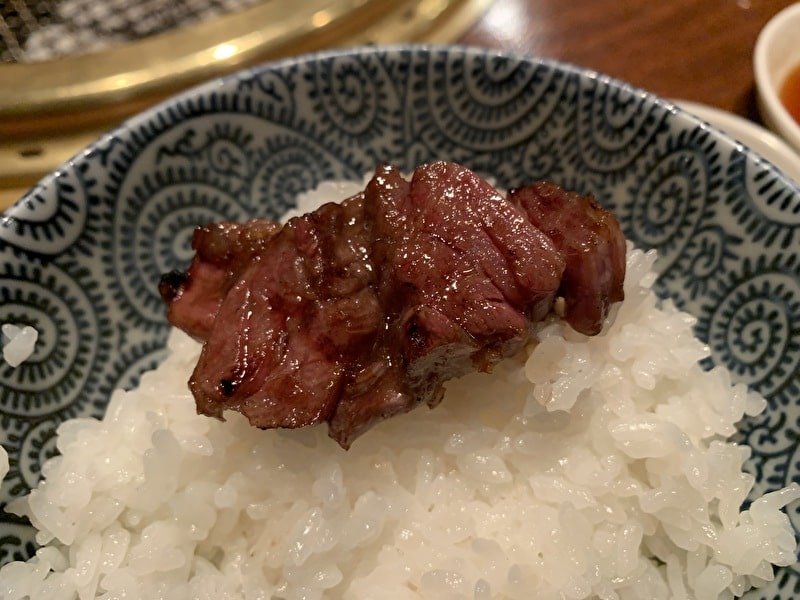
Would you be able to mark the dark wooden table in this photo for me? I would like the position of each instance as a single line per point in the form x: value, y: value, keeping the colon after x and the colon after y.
x: 699, y: 50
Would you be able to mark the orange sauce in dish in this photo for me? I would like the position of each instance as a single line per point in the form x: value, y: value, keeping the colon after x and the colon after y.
x: 790, y: 93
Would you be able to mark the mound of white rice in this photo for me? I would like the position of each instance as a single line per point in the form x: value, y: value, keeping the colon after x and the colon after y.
x: 589, y: 467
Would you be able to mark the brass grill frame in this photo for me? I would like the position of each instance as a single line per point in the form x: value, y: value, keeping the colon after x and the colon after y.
x: 50, y: 110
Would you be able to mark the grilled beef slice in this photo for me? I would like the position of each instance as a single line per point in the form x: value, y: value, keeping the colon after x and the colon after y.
x: 361, y: 310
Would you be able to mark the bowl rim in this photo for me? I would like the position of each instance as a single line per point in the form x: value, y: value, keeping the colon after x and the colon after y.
x: 773, y: 111
x: 148, y: 114
x: 757, y: 139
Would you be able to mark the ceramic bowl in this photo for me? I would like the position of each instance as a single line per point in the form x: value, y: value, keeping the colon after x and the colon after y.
x: 81, y: 254
x: 777, y: 52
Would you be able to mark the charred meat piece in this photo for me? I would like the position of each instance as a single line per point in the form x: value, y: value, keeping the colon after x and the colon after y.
x: 281, y: 340
x: 361, y: 310
x: 592, y: 243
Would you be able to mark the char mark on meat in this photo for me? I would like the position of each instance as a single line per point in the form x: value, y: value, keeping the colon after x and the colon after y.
x: 362, y: 310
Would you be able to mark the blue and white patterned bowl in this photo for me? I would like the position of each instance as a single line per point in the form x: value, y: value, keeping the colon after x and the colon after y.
x: 81, y: 254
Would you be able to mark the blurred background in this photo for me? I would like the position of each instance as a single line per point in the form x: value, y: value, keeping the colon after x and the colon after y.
x: 71, y: 69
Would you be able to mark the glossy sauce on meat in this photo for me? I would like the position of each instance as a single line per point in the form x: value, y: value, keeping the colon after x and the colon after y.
x: 361, y: 310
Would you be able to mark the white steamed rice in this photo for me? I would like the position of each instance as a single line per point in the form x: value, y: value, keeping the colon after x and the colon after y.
x: 18, y: 343
x: 589, y: 467
x: 3, y: 463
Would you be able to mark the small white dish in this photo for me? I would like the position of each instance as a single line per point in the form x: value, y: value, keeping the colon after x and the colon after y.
x: 777, y: 52
x: 755, y: 137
